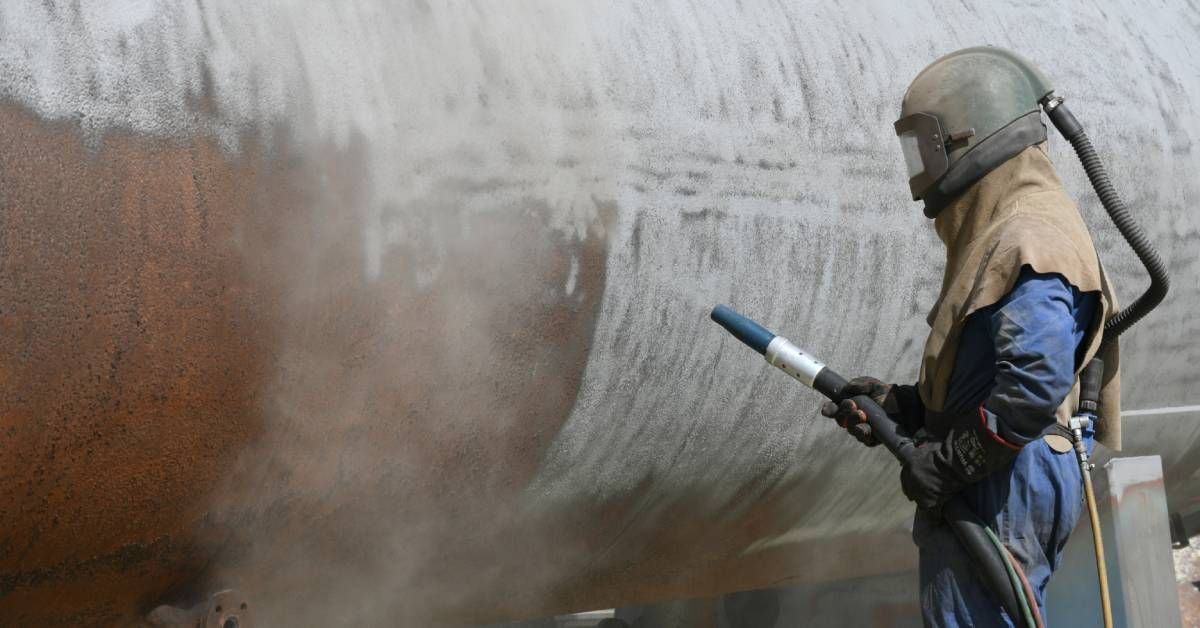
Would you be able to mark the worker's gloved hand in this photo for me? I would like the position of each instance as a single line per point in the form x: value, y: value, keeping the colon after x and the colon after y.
x: 902, y: 403
x: 847, y: 413
x: 939, y: 469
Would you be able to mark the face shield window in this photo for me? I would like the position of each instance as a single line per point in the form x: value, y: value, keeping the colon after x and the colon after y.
x: 922, y: 141
x: 912, y: 154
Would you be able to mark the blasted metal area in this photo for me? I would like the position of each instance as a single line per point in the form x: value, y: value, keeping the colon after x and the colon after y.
x: 395, y: 312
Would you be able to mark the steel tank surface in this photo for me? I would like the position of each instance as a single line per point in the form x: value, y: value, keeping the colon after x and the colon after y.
x: 395, y: 313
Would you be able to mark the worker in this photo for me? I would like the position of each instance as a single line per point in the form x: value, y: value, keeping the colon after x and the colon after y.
x: 1020, y: 313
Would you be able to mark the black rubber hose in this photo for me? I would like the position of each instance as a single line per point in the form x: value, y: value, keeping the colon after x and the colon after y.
x: 883, y: 428
x: 1160, y: 282
x: 989, y: 565
x: 966, y: 525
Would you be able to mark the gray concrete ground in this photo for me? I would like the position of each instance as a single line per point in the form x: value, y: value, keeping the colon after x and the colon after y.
x: 1187, y: 578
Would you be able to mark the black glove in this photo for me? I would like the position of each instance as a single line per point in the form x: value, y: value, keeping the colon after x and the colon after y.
x: 969, y: 452
x: 902, y: 403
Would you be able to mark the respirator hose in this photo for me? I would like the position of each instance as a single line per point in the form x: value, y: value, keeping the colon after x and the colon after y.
x: 1118, y: 322
x: 1070, y: 128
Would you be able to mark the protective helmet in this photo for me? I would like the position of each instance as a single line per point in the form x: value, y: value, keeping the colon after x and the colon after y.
x: 964, y: 115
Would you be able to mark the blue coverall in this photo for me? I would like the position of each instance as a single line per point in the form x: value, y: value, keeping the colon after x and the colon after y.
x: 1018, y: 359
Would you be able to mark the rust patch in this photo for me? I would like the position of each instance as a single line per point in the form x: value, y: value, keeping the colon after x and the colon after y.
x: 203, y: 388
x: 130, y: 354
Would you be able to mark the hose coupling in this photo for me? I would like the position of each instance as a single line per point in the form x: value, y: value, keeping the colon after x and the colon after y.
x: 1050, y: 102
x: 1077, y: 424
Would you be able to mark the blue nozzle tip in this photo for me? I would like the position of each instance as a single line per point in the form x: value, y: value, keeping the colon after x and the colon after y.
x: 749, y: 332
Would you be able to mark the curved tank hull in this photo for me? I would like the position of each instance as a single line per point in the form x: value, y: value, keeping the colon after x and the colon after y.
x: 396, y: 313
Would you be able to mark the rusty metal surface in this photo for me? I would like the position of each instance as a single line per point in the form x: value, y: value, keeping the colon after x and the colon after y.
x: 389, y: 312
x: 133, y: 349
x: 143, y: 356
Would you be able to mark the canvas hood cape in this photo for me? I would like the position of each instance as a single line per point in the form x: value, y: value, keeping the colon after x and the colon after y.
x: 1017, y: 215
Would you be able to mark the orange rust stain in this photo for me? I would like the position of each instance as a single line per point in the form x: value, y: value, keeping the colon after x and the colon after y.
x: 202, y: 387
x: 130, y: 354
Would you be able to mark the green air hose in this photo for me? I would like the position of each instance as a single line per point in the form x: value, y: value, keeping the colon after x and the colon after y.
x: 1012, y: 575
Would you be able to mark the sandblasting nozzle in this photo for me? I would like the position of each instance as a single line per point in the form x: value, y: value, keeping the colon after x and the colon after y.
x: 749, y: 332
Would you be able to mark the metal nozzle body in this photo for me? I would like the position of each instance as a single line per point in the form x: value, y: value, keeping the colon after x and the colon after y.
x: 780, y: 352
x: 790, y: 359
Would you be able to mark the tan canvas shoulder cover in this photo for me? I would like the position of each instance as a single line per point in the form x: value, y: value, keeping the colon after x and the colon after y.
x: 1018, y: 215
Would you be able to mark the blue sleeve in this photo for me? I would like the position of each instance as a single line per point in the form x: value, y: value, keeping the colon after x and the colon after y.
x: 1037, y: 329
